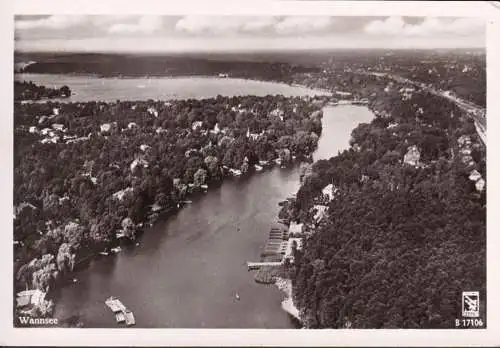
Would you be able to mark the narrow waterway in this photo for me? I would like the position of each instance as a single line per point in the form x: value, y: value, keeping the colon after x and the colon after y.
x: 186, y: 271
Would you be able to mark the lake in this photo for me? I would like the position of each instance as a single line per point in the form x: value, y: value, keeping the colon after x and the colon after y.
x: 87, y: 88
x: 186, y: 271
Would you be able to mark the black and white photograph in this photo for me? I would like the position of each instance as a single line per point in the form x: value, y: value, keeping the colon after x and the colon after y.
x: 243, y: 171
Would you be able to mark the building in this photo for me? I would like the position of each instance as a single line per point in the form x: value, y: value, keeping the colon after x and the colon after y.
x: 153, y: 111
x: 106, y: 127
x: 58, y: 126
x: 30, y: 297
x: 144, y: 147
x: 320, y: 212
x: 329, y: 191
x: 480, y: 185
x: 196, y: 125
x: 138, y: 162
x: 120, y: 194
x: 412, y: 157
x: 296, y: 228
x: 475, y: 175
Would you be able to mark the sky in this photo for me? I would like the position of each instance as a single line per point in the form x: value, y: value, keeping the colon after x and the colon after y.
x: 149, y: 33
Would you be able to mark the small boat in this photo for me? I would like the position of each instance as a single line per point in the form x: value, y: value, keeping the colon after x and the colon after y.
x: 116, y: 250
x: 237, y: 297
x: 75, y: 280
x: 104, y: 253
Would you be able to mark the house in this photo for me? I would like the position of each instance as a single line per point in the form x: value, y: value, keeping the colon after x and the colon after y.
x: 138, y: 162
x: 329, y: 191
x: 33, y: 130
x: 253, y: 136
x: 412, y: 157
x: 153, y: 111
x: 45, y: 131
x: 30, y: 297
x: 55, y: 111
x: 21, y: 206
x: 296, y: 228
x: 144, y: 147
x: 216, y: 129
x: 132, y: 125
x: 320, y: 212
x: 480, y: 185
x: 58, y: 126
x: 475, y: 175
x: 196, y: 125
x: 106, y: 127
x: 464, y: 140
x: 189, y: 152
x: 120, y: 194
x: 235, y: 172
x: 160, y: 130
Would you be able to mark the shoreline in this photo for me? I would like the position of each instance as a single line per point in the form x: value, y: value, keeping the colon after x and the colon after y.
x: 287, y: 304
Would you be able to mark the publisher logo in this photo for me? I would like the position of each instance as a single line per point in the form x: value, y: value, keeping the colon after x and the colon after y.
x: 470, y: 304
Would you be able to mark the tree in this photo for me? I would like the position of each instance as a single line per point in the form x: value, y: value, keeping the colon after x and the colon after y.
x: 200, y: 177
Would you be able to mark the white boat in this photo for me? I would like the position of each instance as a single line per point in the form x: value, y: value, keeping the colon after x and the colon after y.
x: 237, y: 297
x: 258, y: 168
x: 104, y: 253
x: 116, y: 250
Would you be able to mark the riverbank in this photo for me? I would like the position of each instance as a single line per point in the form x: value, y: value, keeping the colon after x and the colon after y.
x: 288, y: 305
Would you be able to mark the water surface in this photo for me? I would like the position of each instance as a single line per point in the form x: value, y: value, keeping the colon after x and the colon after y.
x: 186, y: 271
x: 88, y: 88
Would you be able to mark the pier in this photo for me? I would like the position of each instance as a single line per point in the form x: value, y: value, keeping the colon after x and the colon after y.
x: 257, y: 265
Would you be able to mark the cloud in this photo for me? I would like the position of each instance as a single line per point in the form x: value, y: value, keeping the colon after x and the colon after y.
x: 223, y: 24
x: 145, y: 25
x: 231, y: 25
x: 52, y: 22
x: 428, y: 27
x: 303, y: 24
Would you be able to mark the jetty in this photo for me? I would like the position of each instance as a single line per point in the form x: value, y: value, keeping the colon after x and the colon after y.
x: 122, y: 314
x: 257, y: 265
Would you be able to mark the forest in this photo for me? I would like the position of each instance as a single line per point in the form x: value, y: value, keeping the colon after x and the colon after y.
x: 107, y: 65
x: 400, y: 241
x: 29, y: 91
x: 84, y: 172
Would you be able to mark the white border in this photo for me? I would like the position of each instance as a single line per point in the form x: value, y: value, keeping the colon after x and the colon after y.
x: 205, y: 337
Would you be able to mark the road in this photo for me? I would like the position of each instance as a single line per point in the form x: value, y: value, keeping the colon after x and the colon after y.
x: 477, y: 112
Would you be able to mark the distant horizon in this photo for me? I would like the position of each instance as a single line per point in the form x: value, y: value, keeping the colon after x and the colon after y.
x: 255, y: 51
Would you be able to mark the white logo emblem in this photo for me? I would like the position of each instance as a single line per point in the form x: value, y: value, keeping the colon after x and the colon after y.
x: 470, y: 304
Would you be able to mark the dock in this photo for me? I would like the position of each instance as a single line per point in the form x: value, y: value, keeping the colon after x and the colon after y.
x: 257, y: 265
